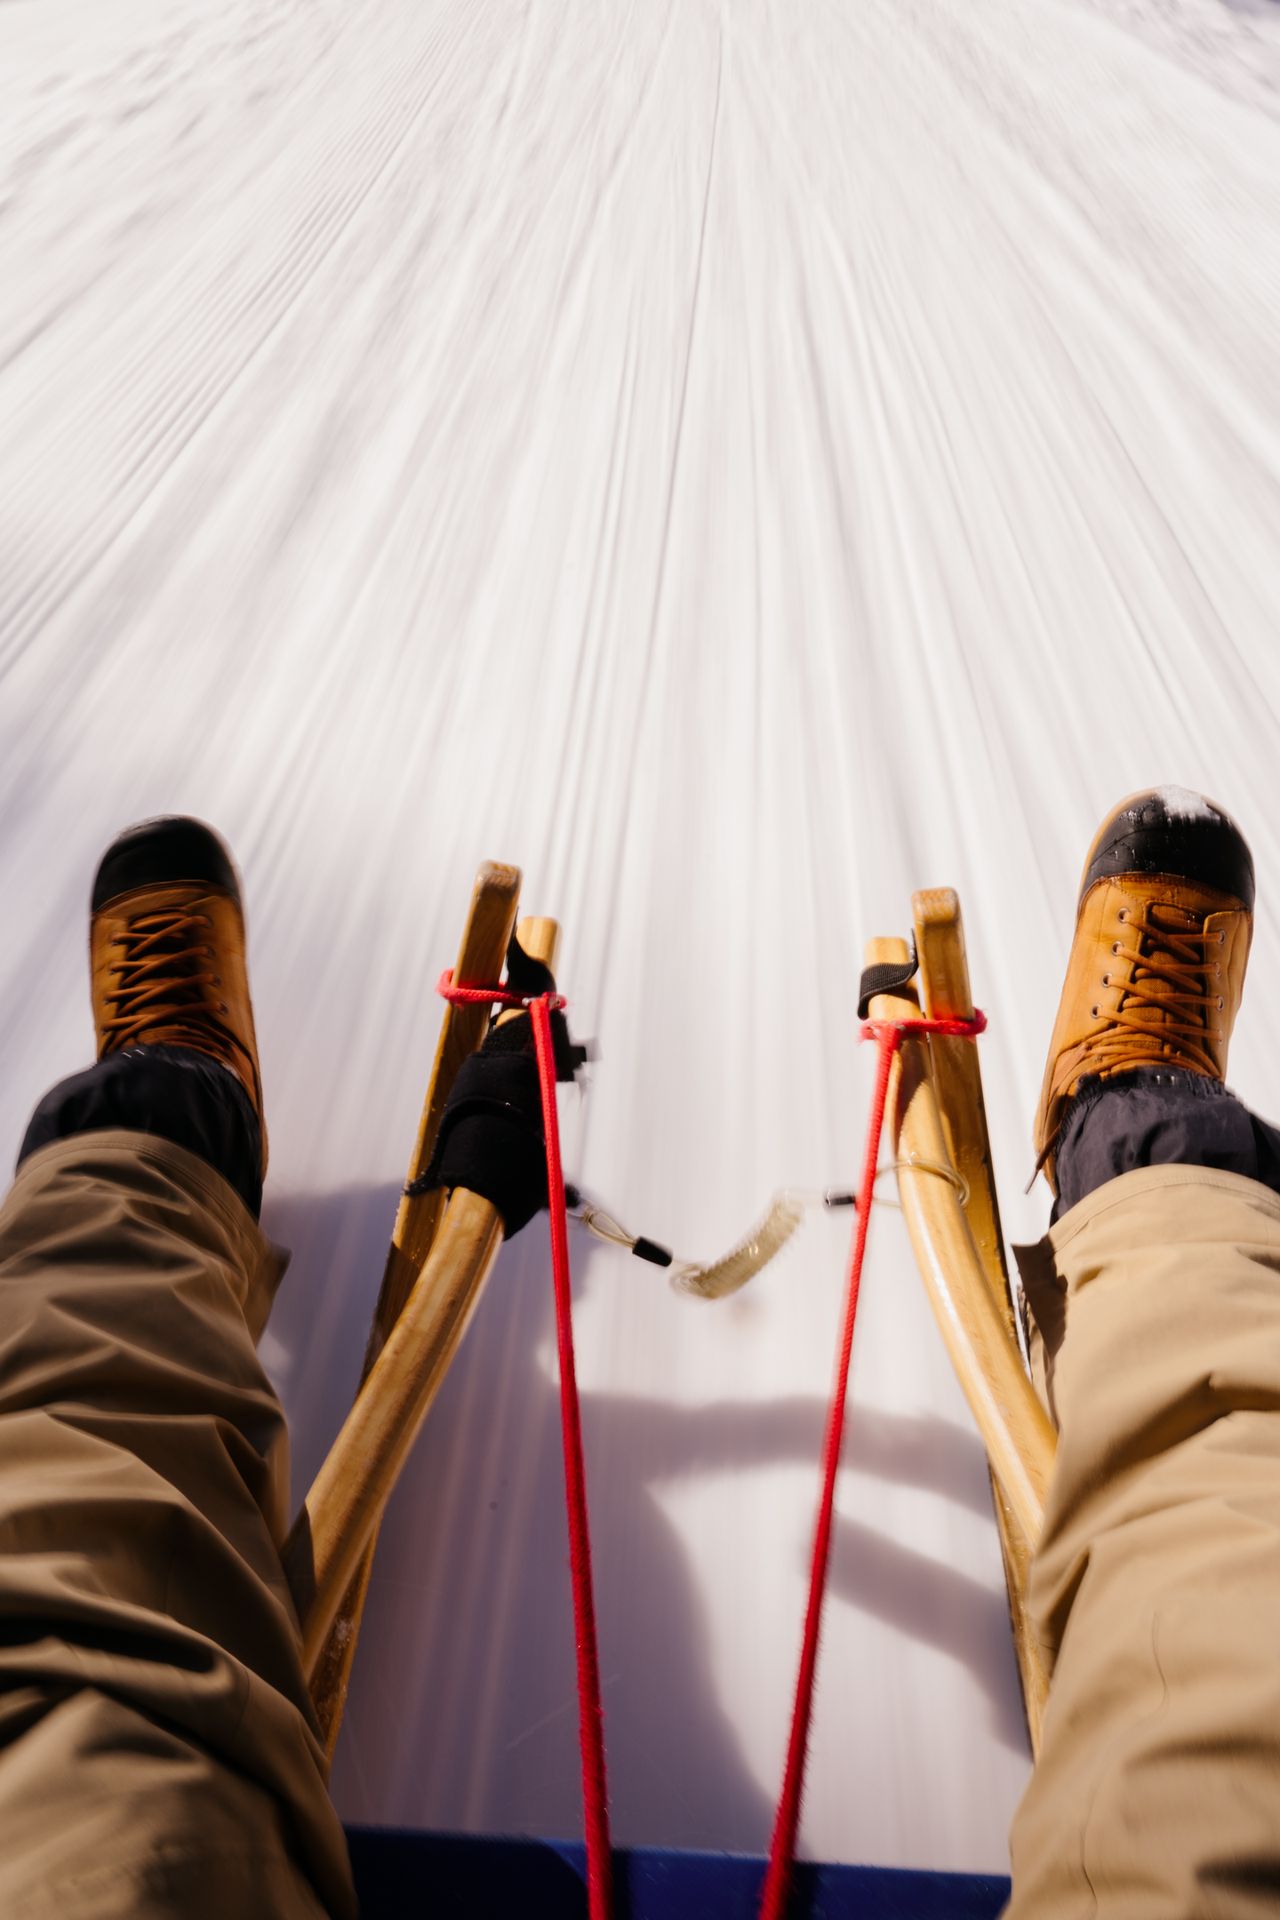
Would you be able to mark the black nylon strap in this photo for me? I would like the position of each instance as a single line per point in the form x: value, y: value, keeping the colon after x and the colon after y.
x: 491, y: 1137
x: 885, y: 978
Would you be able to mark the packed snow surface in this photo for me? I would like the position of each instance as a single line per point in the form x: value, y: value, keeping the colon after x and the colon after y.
x: 741, y: 462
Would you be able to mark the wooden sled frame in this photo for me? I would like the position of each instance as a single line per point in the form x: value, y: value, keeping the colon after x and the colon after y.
x: 441, y: 1254
x: 938, y: 1126
x: 442, y: 1250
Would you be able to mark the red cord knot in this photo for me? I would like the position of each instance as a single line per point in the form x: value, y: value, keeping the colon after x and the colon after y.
x: 892, y: 1033
x: 460, y: 996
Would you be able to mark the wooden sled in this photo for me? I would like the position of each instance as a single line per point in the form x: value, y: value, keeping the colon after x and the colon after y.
x: 440, y: 1256
x: 938, y: 1126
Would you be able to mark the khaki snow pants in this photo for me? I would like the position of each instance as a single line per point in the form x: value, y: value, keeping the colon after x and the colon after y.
x: 1156, y: 1588
x: 158, y: 1759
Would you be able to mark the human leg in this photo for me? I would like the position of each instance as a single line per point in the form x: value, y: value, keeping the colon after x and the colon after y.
x: 1157, y: 1295
x: 157, y: 1753
x: 1154, y: 1589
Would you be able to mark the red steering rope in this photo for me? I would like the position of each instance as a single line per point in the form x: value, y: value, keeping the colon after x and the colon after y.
x: 595, y: 1797
x: 888, y: 1036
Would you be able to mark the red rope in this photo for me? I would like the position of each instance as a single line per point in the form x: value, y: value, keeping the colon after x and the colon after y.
x: 595, y: 1799
x: 491, y: 996
x: 888, y: 1036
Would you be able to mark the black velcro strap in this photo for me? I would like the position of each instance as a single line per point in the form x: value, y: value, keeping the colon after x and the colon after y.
x: 491, y: 1139
x: 885, y: 978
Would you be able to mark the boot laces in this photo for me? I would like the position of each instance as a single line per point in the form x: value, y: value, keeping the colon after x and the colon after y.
x: 1166, y: 995
x: 165, y: 979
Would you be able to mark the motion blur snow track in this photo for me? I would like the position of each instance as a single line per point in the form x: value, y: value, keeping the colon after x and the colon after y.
x: 742, y: 462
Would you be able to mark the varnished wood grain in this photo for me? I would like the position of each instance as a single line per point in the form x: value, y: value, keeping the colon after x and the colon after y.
x: 482, y: 950
x: 946, y: 993
x: 329, y: 1553
x: 1014, y: 1426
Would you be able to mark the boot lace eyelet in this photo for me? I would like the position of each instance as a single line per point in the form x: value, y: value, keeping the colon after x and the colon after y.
x: 1221, y: 1003
x: 1106, y: 979
x: 1115, y: 946
x: 1094, y: 1012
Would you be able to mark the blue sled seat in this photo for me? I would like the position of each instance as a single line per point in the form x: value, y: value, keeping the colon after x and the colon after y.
x: 401, y: 1876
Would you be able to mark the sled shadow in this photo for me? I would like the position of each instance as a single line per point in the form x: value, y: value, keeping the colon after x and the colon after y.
x: 464, y: 1698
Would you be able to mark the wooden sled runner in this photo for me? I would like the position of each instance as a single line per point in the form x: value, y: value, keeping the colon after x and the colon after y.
x: 938, y: 1126
x: 439, y: 1259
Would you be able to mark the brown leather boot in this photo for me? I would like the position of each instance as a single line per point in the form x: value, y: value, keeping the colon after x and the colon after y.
x: 167, y: 950
x: 1157, y: 966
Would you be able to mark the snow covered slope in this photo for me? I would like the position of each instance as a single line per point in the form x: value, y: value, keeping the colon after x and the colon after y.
x: 741, y: 462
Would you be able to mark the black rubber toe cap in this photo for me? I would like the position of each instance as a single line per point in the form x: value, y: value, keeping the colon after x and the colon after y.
x: 1170, y: 830
x: 164, y: 852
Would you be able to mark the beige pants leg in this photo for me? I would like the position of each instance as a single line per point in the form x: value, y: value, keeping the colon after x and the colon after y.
x: 157, y: 1754
x: 1157, y: 1584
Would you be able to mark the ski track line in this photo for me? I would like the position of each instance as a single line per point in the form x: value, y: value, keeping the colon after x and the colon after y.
x: 567, y: 300
x: 1085, y: 268
x: 321, y: 692
x: 759, y: 534
x: 619, y: 865
x: 180, y: 527
x: 1058, y: 178
x: 94, y: 271
x: 404, y: 507
x: 1211, y: 44
x: 851, y: 651
x: 587, y: 705
x: 185, y: 291
x: 239, y: 311
x: 463, y: 409
x: 427, y: 451
x: 921, y: 405
x: 593, y: 226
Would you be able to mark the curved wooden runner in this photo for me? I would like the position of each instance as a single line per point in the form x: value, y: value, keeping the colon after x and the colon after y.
x: 938, y: 1120
x: 437, y: 1263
